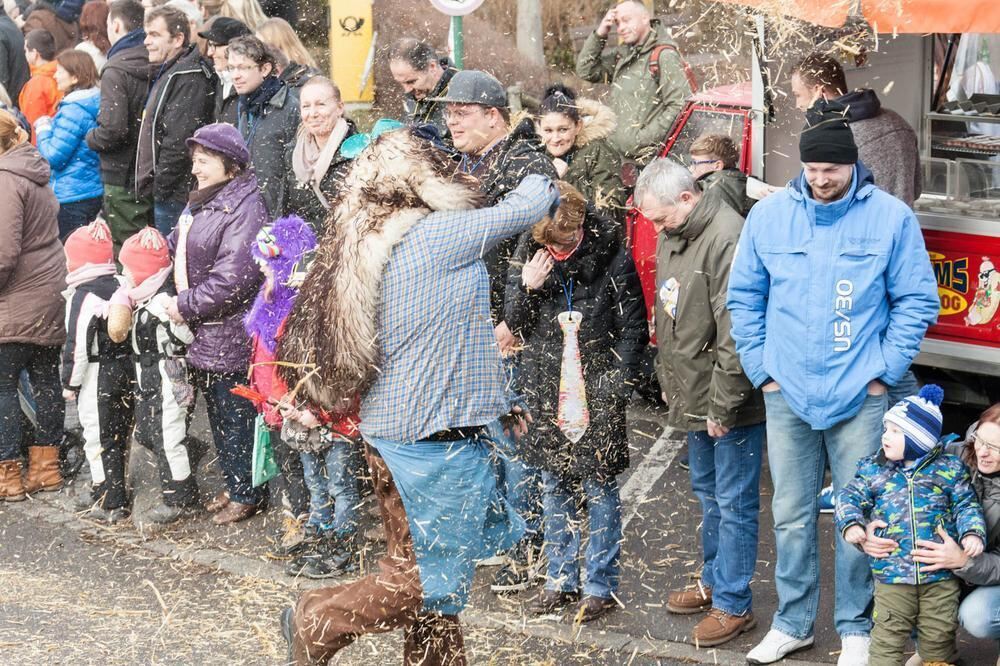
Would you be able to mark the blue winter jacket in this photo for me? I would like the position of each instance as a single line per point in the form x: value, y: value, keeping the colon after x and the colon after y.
x: 76, y: 169
x: 825, y: 298
x: 913, y: 501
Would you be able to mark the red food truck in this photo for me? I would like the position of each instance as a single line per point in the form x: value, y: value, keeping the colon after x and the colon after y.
x: 947, y: 86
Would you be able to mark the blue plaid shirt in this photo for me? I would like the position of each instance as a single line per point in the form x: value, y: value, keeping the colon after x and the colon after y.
x: 441, y: 366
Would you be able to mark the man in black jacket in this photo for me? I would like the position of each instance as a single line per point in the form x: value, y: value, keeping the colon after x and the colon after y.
x: 423, y: 75
x: 13, y: 65
x: 477, y: 116
x: 181, y: 99
x: 218, y: 35
x: 267, y: 115
x: 124, y: 83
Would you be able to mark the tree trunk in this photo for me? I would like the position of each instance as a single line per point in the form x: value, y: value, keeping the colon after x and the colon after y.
x: 529, y: 31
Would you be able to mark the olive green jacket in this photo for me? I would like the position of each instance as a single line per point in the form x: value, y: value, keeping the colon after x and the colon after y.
x: 696, y: 362
x: 732, y: 185
x: 593, y: 165
x: 646, y: 107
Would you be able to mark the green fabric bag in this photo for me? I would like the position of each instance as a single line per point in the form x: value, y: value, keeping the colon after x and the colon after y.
x: 264, y: 467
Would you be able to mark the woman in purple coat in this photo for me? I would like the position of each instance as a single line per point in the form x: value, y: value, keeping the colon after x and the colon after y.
x: 216, y: 282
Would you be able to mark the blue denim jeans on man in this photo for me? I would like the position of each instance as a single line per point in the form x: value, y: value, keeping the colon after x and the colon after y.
x: 332, y: 479
x: 563, y: 500
x: 797, y: 456
x: 725, y: 477
x: 166, y: 214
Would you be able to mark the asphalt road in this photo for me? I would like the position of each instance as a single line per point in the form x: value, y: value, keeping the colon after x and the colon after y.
x: 72, y: 592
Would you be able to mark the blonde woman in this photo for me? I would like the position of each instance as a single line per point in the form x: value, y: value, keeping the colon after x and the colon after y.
x: 296, y: 65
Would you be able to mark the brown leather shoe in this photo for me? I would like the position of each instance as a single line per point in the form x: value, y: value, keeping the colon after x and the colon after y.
x: 11, y: 486
x: 43, y: 470
x: 234, y: 513
x: 550, y: 601
x: 218, y: 503
x: 590, y: 608
x: 719, y: 627
x: 689, y: 602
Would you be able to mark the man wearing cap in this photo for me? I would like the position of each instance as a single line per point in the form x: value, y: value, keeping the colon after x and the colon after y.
x: 830, y: 294
x: 477, y: 116
x: 218, y: 33
x: 124, y: 82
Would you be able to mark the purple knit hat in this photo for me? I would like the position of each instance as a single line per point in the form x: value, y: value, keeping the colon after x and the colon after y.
x: 222, y: 138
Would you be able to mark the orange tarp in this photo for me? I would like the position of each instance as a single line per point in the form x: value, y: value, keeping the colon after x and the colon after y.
x: 892, y: 16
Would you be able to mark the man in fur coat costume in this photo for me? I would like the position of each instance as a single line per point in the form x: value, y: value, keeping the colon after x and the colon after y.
x: 396, y: 309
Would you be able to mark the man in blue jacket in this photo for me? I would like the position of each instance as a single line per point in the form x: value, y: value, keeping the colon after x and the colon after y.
x: 830, y: 294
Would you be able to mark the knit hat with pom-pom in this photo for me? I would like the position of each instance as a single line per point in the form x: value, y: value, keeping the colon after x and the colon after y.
x: 89, y: 245
x: 919, y: 417
x: 144, y: 254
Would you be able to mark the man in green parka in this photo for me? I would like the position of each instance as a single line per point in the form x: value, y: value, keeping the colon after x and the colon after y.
x: 646, y: 74
x: 709, y: 395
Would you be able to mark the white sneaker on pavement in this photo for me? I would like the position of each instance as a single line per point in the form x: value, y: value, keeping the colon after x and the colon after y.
x: 854, y: 651
x: 775, y: 646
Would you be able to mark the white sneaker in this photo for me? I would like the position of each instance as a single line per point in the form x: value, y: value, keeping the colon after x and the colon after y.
x: 854, y: 651
x: 775, y: 646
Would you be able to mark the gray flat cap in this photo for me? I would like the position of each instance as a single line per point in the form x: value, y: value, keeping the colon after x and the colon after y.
x: 471, y: 86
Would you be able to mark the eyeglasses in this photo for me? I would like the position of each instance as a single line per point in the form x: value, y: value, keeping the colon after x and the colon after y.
x: 233, y: 69
x: 699, y: 162
x: 459, y: 115
x: 980, y: 442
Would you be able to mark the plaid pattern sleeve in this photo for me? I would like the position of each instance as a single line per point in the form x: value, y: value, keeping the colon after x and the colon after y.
x: 441, y: 367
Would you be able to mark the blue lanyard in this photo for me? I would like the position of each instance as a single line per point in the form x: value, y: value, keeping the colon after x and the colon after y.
x: 567, y: 290
x: 464, y: 166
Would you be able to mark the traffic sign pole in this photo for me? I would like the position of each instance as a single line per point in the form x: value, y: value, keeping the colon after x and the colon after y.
x: 457, y: 42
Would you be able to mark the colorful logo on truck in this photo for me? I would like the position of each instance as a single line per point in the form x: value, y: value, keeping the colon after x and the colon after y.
x: 954, y: 288
x: 987, y: 299
x: 953, y: 282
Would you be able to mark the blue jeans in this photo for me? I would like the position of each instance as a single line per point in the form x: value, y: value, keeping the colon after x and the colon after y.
x: 77, y: 214
x: 904, y: 388
x: 798, y: 455
x: 563, y: 500
x: 166, y: 214
x: 725, y: 477
x: 520, y: 483
x: 231, y: 419
x: 333, y: 474
x: 979, y: 613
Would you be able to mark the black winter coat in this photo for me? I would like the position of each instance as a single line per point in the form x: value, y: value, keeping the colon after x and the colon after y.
x: 14, y: 71
x: 271, y: 138
x: 517, y: 156
x: 612, y: 337
x: 182, y: 100
x: 124, y: 82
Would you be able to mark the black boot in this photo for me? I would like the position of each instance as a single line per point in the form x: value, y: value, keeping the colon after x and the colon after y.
x: 335, y: 555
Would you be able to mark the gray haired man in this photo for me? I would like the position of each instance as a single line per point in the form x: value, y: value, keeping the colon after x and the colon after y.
x: 709, y: 396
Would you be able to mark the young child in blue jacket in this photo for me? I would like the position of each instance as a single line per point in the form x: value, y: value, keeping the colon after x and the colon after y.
x: 918, y: 490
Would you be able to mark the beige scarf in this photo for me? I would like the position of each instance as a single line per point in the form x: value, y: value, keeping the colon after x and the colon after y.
x: 310, y: 162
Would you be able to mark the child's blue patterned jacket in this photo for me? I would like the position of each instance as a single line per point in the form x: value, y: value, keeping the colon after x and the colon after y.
x: 913, y: 501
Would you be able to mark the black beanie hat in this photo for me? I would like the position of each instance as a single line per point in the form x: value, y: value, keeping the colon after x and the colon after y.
x: 827, y: 137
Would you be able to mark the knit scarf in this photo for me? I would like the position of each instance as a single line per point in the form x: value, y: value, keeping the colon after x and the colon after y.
x: 150, y: 286
x: 88, y: 272
x: 134, y: 38
x: 310, y: 162
x: 254, y: 102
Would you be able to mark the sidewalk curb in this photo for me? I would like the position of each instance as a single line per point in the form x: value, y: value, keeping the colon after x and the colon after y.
x: 242, y: 566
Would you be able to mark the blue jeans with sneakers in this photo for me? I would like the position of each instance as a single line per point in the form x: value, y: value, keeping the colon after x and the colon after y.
x: 564, y: 499
x: 520, y: 483
x: 725, y: 477
x: 332, y: 479
x: 797, y: 456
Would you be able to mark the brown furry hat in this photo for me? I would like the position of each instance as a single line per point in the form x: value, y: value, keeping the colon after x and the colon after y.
x: 331, y: 336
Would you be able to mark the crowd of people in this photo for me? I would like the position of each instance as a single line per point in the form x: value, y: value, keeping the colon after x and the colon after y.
x: 456, y: 320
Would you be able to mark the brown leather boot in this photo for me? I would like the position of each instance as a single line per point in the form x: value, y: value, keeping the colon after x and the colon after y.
x: 719, y: 627
x: 11, y: 487
x: 689, y: 602
x: 43, y: 470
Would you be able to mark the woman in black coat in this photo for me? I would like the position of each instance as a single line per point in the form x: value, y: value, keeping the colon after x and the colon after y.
x: 576, y: 260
